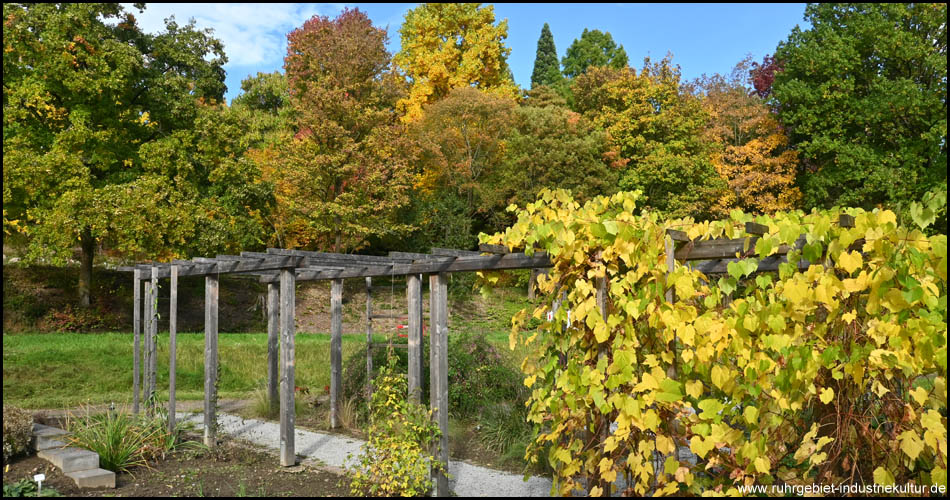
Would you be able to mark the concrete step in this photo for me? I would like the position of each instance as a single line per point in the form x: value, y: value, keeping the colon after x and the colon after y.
x: 93, y: 478
x: 45, y: 437
x: 71, y: 459
x: 41, y: 443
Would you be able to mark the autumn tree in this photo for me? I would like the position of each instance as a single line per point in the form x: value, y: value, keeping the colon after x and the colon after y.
x: 594, y: 48
x: 344, y: 175
x: 658, y: 128
x: 863, y: 94
x: 547, y: 69
x: 88, y: 99
x: 463, y: 143
x: 550, y: 146
x: 751, y: 152
x: 447, y: 46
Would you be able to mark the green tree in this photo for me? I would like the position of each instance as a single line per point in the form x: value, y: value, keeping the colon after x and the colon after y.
x: 594, y: 48
x: 265, y: 106
x: 547, y: 69
x: 86, y: 98
x: 658, y: 128
x: 346, y: 173
x: 447, y: 46
x: 552, y: 147
x: 863, y: 95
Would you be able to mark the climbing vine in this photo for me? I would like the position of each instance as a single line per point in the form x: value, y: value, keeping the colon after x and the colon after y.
x: 832, y: 372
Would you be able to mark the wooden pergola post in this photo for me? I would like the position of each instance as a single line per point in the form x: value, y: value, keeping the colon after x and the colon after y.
x: 273, y: 340
x: 136, y: 332
x: 172, y: 345
x: 336, y: 348
x: 147, y: 345
x: 287, y: 415
x: 153, y: 344
x: 369, y: 339
x: 438, y: 375
x: 414, y: 304
x: 211, y: 359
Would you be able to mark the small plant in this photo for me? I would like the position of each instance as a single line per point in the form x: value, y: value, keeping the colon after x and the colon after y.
x: 348, y: 412
x: 261, y: 403
x: 395, y: 461
x: 27, y: 488
x: 17, y: 431
x: 123, y: 441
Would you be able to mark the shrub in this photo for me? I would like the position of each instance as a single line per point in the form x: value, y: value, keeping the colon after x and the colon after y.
x: 478, y: 376
x: 833, y: 371
x: 395, y: 460
x: 17, y: 432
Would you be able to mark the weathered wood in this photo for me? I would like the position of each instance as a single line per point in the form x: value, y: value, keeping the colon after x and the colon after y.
x: 153, y: 356
x: 136, y: 333
x: 369, y: 339
x: 452, y: 252
x: 414, y: 304
x: 678, y: 236
x: 147, y: 345
x: 211, y: 360
x: 438, y: 375
x: 497, y: 249
x: 287, y: 329
x: 273, y: 336
x: 845, y: 220
x: 336, y: 349
x: 389, y: 316
x: 414, y: 256
x: 601, y: 299
x: 532, y: 284
x: 461, y: 264
x: 757, y: 229
x: 670, y: 261
x: 204, y: 266
x: 172, y: 345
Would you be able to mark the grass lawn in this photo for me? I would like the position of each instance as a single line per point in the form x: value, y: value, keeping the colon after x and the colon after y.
x: 66, y: 369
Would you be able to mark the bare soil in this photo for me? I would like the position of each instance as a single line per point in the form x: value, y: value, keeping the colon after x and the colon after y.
x: 231, y: 469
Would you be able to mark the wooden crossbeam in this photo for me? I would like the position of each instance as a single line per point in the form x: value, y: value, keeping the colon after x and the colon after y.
x: 479, y: 263
x: 451, y: 252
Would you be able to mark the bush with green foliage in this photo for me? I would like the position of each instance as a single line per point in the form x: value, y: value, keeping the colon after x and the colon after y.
x: 17, y: 431
x: 396, y: 459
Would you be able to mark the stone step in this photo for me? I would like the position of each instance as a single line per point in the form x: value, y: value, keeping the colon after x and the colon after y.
x: 41, y: 443
x: 93, y: 478
x: 71, y: 459
x: 47, y: 431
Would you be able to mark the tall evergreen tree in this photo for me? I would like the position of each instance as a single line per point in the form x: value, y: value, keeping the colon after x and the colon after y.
x: 547, y: 69
x: 595, y: 48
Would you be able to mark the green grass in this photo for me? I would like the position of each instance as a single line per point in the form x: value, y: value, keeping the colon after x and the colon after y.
x: 66, y: 369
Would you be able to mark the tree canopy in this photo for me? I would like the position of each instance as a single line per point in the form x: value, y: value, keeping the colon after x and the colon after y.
x: 594, y: 48
x: 547, y: 69
x: 447, y: 46
x: 863, y: 94
x: 88, y: 98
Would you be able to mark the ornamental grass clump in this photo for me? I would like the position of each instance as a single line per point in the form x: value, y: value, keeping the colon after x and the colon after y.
x: 395, y: 460
x: 123, y: 441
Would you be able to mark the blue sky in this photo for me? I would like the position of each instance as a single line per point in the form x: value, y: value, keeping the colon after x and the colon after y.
x: 704, y: 38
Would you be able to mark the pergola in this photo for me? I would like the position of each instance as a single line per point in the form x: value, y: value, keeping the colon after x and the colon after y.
x: 281, y: 269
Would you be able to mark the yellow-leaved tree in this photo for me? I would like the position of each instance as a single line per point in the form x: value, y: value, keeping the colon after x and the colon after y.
x: 447, y: 46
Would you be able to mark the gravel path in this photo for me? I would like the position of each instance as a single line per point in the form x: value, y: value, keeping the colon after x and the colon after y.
x: 466, y: 480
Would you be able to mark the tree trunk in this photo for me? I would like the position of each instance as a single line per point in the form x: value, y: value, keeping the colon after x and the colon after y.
x: 85, y: 270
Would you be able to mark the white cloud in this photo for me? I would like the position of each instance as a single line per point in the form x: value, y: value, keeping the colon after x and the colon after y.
x: 253, y: 34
